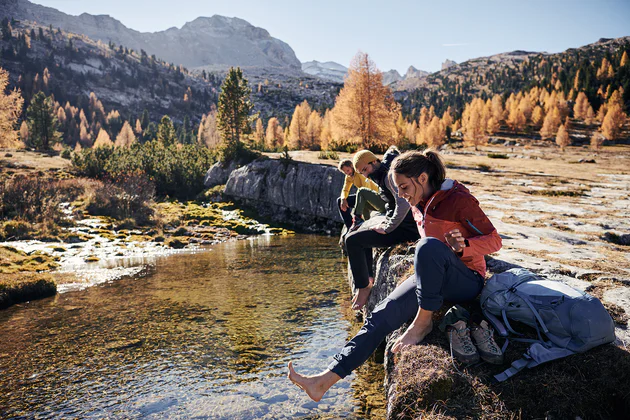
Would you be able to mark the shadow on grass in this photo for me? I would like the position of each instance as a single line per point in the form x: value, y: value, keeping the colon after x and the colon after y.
x: 591, y: 385
x: 425, y: 382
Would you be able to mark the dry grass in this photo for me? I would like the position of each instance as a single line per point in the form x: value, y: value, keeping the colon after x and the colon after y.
x: 594, y: 385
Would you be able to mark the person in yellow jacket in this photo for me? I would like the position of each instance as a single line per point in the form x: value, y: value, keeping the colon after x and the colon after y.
x: 346, y: 202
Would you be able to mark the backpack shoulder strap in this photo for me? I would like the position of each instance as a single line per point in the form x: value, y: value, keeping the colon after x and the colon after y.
x: 515, y: 368
x: 537, y: 354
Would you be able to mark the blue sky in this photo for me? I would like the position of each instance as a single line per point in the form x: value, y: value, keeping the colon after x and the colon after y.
x: 395, y: 33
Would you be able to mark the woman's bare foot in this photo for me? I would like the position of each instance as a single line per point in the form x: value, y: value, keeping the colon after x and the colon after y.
x: 315, y: 386
x: 412, y: 336
x: 360, y: 298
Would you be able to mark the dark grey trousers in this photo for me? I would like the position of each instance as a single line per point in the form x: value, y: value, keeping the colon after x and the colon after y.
x: 359, y: 246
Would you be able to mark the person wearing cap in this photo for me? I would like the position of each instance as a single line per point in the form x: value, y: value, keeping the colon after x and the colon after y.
x: 346, y: 201
x: 396, y: 226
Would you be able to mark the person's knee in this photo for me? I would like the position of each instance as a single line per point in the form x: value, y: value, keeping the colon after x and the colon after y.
x: 429, y: 249
x: 353, y: 239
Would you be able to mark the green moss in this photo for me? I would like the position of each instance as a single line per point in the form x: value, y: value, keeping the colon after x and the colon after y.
x: 177, y: 243
x: 14, y: 261
x: 23, y: 287
x: 182, y: 231
x: 73, y: 238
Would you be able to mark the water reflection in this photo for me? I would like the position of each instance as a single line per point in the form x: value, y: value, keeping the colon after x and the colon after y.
x: 203, y: 335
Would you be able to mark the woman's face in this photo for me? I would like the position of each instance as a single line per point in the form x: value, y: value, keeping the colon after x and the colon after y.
x: 409, y: 188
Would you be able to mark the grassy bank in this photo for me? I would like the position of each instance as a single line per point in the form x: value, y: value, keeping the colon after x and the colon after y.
x: 21, y: 276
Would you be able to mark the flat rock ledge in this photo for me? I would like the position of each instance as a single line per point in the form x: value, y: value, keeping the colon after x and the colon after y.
x: 425, y: 382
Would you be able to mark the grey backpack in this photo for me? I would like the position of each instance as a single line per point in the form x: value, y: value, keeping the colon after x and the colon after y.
x: 567, y: 320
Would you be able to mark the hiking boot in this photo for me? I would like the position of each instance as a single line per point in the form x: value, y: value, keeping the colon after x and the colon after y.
x: 356, y: 223
x: 462, y: 347
x: 489, y: 350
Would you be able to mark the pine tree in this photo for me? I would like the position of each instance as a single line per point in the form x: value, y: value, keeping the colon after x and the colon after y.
x: 327, y: 130
x: 613, y: 122
x: 436, y: 133
x: 297, y: 138
x: 42, y: 123
x: 184, y: 135
x: 138, y: 127
x: 233, y: 119
x: 538, y: 115
x: 102, y: 140
x: 166, y: 132
x: 550, y: 124
x: 581, y: 106
x: 259, y: 135
x: 314, y: 131
x: 126, y: 137
x: 562, y: 138
x: 624, y: 59
x: 7, y: 32
x: 10, y: 110
x: 208, y: 134
x: 472, y: 124
x: 145, y: 120
x: 365, y: 111
x: 274, y: 135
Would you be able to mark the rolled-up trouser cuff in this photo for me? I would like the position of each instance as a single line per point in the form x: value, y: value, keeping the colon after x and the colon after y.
x: 431, y: 303
x: 336, y: 368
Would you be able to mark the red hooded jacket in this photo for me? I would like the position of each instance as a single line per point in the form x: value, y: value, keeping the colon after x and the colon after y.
x: 454, y: 207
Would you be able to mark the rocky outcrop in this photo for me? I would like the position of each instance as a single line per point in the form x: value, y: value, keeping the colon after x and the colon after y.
x: 391, y: 76
x: 303, y: 195
x: 448, y: 63
x: 218, y: 174
x: 211, y: 42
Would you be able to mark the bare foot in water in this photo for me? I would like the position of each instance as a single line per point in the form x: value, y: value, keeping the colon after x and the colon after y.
x: 315, y: 386
x: 412, y: 336
x: 360, y: 298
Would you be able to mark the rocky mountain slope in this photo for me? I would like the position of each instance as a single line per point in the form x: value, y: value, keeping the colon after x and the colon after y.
x: 70, y: 67
x: 335, y: 72
x: 215, y: 41
x: 327, y: 71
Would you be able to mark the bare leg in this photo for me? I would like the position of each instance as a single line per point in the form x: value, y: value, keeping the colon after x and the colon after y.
x: 419, y: 328
x: 360, y: 298
x: 316, y: 385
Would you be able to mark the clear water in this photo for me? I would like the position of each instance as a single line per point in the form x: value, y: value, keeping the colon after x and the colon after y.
x: 203, y: 335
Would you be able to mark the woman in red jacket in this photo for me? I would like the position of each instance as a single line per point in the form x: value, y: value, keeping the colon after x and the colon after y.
x: 449, y: 265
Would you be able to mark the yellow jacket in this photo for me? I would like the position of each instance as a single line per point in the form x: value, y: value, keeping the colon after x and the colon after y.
x: 358, y: 181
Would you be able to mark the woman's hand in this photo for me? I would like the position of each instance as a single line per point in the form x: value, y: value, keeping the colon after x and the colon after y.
x: 456, y: 240
x: 344, y: 205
